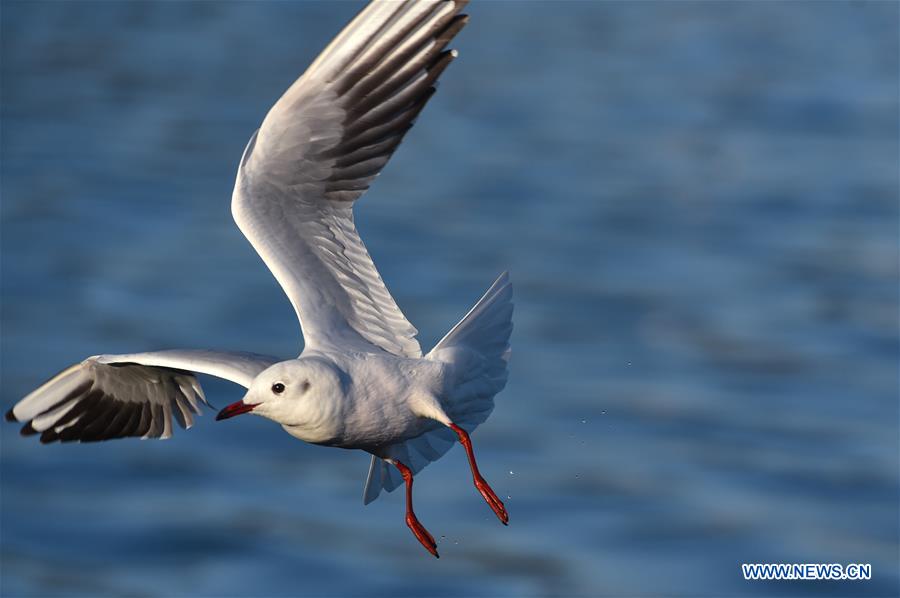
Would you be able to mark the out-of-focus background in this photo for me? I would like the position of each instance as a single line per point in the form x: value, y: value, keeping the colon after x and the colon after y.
x: 698, y: 203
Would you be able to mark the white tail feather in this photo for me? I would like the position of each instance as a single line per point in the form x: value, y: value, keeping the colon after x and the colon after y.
x: 478, y: 350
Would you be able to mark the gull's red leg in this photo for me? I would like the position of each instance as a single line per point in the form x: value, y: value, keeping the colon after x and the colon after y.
x: 411, y: 521
x: 486, y: 491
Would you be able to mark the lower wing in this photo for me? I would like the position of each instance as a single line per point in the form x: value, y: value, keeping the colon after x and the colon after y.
x: 134, y: 395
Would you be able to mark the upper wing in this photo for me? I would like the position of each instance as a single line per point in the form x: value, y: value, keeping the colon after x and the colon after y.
x: 115, y: 396
x: 318, y: 150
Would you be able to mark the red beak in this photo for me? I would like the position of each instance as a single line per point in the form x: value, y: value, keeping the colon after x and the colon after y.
x: 235, y: 409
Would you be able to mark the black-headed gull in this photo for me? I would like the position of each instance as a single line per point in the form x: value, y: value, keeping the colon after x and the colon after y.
x: 361, y: 381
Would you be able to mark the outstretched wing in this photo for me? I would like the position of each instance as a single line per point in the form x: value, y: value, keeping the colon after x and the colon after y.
x: 318, y: 150
x: 117, y: 396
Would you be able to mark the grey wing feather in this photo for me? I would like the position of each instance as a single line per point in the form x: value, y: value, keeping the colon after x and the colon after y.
x: 318, y: 150
x: 136, y: 395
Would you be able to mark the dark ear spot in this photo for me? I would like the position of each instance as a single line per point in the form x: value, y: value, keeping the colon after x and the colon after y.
x: 305, y: 386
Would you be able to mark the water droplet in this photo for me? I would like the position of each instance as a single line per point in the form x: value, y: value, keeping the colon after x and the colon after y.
x: 584, y: 421
x: 603, y: 412
x: 456, y: 541
x: 629, y: 363
x: 508, y: 497
x: 511, y: 472
x: 576, y: 476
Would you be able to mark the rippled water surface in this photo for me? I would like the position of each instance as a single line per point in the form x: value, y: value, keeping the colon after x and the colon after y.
x: 698, y: 203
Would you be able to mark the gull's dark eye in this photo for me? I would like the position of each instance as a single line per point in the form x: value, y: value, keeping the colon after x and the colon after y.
x: 278, y: 388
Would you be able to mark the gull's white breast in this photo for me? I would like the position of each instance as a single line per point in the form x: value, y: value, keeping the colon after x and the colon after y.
x: 380, y: 403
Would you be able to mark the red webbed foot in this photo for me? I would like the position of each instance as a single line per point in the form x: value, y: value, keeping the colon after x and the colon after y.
x: 490, y: 497
x: 422, y: 535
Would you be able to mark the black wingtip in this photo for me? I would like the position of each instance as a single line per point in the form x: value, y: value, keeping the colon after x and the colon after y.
x: 49, y: 436
x: 452, y: 28
x: 28, y: 430
x: 440, y: 63
x: 10, y: 417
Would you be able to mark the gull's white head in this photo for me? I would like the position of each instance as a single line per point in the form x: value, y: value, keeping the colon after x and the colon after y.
x: 301, y: 394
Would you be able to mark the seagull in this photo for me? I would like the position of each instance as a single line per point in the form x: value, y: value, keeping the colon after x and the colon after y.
x: 361, y: 380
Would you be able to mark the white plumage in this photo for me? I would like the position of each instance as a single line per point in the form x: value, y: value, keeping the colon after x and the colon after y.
x: 361, y: 381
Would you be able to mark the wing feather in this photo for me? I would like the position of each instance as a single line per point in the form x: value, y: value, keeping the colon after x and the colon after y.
x: 138, y: 395
x: 319, y: 149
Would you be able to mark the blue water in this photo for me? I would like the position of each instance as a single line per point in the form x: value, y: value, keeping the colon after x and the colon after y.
x: 698, y: 203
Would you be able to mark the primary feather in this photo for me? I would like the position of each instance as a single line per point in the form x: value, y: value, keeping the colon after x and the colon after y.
x: 138, y: 395
x: 318, y: 150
